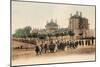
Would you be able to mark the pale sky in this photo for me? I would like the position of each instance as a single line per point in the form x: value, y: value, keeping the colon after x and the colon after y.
x: 36, y: 15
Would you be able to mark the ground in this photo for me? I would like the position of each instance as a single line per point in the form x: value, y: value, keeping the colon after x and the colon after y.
x: 82, y: 53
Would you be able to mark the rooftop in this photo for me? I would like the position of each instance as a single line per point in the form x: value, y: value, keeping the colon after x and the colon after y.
x: 52, y: 23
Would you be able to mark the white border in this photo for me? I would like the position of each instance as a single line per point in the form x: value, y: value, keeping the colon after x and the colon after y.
x: 5, y: 33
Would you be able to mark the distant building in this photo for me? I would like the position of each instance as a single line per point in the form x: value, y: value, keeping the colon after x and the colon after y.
x: 78, y: 24
x: 51, y: 26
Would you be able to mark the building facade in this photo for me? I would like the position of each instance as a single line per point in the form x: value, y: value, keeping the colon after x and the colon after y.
x: 51, y: 26
x: 78, y: 24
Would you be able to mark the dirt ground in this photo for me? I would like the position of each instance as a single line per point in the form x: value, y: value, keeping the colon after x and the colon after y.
x: 82, y: 53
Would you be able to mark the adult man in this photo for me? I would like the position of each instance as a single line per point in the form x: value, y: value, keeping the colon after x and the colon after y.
x: 37, y: 49
x: 45, y: 48
x: 51, y: 47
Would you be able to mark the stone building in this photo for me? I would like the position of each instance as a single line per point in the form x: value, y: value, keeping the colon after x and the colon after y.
x: 78, y: 24
x: 51, y: 26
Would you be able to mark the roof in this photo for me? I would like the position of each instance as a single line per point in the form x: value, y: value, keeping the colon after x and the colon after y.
x: 75, y: 16
x: 51, y: 23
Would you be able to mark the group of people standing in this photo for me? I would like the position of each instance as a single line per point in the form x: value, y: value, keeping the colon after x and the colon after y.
x: 54, y: 46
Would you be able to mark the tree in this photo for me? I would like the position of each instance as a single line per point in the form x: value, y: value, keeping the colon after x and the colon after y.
x: 23, y: 32
x: 19, y: 33
x: 49, y: 35
x: 35, y: 35
x: 71, y: 34
x: 56, y: 34
x: 81, y: 35
x: 62, y: 34
x: 27, y: 31
x: 42, y: 36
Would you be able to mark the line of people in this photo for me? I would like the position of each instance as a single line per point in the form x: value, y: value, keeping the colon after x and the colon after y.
x: 54, y: 46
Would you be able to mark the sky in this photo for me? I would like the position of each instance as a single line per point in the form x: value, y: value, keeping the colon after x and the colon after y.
x: 36, y: 15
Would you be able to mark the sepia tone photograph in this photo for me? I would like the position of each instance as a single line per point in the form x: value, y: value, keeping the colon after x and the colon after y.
x: 52, y: 33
